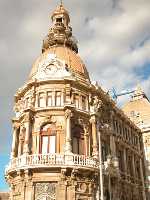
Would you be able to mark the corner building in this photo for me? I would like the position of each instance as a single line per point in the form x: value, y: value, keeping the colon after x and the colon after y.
x: 70, y: 141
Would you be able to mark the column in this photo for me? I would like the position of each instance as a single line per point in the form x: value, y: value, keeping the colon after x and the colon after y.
x: 113, y: 146
x: 27, y: 123
x: 68, y: 147
x: 86, y: 143
x: 94, y: 136
x: 38, y: 143
x: 14, y: 142
x: 125, y: 161
x: 21, y: 141
x: 133, y: 166
x: 20, y: 147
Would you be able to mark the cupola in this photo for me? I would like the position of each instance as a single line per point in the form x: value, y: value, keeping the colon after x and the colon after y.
x: 61, y: 31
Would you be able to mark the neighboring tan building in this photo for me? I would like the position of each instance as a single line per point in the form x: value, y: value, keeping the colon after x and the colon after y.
x: 138, y: 110
x: 4, y: 195
x: 70, y: 141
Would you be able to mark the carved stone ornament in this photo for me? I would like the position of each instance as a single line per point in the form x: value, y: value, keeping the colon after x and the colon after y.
x: 52, y: 67
x: 45, y: 191
x: 18, y: 107
x: 96, y: 104
x: 68, y: 113
x: 82, y: 187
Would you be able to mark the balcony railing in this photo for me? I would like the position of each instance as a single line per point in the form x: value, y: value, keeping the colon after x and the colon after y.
x: 51, y: 160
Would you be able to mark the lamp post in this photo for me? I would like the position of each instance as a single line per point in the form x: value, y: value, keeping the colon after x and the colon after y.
x: 101, y: 196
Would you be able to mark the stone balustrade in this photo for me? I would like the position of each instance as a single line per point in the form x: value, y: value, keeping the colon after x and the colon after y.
x: 51, y: 160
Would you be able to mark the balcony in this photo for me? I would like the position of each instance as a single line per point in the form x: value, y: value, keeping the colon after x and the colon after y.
x: 51, y: 161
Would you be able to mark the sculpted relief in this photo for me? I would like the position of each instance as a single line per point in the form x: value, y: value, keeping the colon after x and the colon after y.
x: 45, y: 191
x: 52, y: 67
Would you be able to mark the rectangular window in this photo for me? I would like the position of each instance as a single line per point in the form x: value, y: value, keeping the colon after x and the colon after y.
x: 41, y: 100
x: 58, y: 98
x: 44, y: 144
x: 120, y: 159
x: 59, y: 19
x: 104, y: 151
x: 49, y: 99
x: 48, y: 144
x: 77, y: 100
x: 83, y: 102
x: 81, y: 146
x: 52, y: 145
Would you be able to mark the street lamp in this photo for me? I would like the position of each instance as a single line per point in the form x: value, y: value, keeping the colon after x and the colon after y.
x: 101, y: 190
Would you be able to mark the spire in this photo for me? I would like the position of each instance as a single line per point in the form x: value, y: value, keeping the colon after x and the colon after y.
x: 61, y: 32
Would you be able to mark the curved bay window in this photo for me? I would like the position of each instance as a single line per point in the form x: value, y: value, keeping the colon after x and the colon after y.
x: 48, y: 139
x: 78, y: 140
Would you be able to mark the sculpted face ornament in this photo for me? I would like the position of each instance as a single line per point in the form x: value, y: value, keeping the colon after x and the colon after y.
x: 52, y: 67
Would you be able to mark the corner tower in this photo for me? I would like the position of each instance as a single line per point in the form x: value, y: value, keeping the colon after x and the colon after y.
x: 51, y: 153
x: 70, y: 141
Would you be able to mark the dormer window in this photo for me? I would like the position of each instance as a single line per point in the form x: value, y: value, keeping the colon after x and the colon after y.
x: 59, y: 20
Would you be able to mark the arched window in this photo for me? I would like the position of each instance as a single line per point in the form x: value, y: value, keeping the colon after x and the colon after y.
x: 48, y: 139
x: 78, y: 140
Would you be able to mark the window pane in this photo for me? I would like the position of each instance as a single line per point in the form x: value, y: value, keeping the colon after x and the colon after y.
x: 58, y: 98
x: 52, y: 145
x: 81, y: 147
x: 41, y: 100
x: 44, y: 144
x: 75, y: 145
x: 77, y: 101
x: 83, y: 103
x: 49, y: 99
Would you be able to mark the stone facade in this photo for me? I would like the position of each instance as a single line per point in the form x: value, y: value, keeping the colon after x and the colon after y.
x: 138, y: 110
x: 70, y: 141
x: 4, y: 195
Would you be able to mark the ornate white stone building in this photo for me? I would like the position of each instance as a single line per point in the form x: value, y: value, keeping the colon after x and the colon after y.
x: 138, y: 110
x: 70, y: 141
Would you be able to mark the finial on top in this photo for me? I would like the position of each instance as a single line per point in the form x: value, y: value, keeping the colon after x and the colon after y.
x: 61, y: 2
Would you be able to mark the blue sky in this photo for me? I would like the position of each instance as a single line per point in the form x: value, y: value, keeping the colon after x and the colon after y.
x: 114, y: 43
x: 3, y: 162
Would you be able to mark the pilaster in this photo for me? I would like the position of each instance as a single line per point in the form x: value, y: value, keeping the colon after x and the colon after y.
x: 15, y: 141
x: 28, y: 133
x: 68, y: 147
x: 94, y: 136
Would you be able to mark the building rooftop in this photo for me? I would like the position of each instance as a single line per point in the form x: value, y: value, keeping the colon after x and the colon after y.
x: 138, y: 108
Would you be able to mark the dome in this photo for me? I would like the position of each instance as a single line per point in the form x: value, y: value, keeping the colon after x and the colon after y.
x: 65, y: 54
